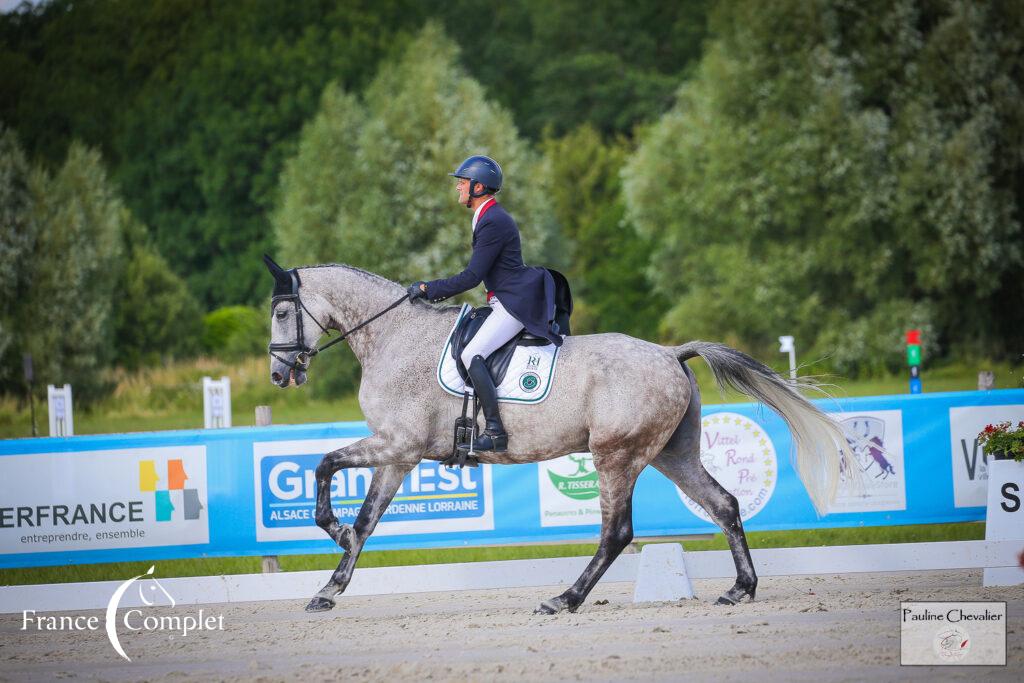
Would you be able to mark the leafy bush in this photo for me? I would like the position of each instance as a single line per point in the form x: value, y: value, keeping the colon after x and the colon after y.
x: 234, y: 332
x: 155, y: 315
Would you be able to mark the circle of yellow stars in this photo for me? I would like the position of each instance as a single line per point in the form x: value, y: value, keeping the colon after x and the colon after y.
x: 749, y: 426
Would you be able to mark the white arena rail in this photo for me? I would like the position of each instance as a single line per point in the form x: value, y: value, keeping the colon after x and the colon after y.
x: 901, y: 557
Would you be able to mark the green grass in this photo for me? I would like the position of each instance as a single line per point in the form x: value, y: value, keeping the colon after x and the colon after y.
x: 171, y: 397
x: 388, y: 558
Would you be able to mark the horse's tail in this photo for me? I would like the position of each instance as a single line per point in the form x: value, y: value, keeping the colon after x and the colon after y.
x: 821, y: 446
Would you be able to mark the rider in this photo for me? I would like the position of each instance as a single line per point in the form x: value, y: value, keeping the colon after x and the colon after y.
x: 519, y: 295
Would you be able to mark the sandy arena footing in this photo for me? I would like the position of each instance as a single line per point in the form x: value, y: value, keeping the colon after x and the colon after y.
x: 809, y: 628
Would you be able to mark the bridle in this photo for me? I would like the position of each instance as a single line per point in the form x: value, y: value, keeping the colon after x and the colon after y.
x: 305, y: 353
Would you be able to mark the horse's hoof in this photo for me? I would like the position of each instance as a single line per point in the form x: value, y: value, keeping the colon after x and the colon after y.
x: 735, y: 595
x: 553, y: 606
x: 319, y: 604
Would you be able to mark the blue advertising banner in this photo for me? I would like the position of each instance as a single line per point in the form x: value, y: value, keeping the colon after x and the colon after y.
x: 251, y: 491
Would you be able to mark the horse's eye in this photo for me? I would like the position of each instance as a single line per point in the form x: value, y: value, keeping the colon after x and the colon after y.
x: 282, y: 314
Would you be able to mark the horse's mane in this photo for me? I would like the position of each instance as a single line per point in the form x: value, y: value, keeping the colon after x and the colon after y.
x: 377, y: 279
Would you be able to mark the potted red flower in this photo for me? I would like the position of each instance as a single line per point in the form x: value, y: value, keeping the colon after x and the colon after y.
x: 1003, y: 441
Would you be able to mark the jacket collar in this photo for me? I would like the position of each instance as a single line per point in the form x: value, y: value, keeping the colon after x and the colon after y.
x: 481, y: 210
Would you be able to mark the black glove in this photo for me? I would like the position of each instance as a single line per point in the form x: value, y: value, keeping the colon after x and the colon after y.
x: 417, y: 291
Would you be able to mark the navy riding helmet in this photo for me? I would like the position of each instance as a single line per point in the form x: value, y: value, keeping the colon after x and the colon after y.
x: 480, y: 170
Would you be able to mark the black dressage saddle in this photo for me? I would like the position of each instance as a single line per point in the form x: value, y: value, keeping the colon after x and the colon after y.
x: 498, y: 361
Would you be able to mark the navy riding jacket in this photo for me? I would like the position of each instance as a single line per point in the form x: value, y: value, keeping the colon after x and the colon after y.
x: 527, y: 292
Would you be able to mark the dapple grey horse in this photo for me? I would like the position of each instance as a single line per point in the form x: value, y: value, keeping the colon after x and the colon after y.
x: 629, y: 402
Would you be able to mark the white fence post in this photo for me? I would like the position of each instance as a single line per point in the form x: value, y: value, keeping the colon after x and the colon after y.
x: 264, y: 418
x: 216, y: 402
x: 62, y: 419
x: 786, y: 345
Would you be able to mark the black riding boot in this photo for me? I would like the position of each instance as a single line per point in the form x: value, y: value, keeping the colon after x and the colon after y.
x: 494, y: 437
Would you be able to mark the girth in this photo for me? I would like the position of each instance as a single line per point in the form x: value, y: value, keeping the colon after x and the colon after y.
x: 498, y: 361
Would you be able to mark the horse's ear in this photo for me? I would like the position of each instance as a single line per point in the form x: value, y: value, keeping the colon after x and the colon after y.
x: 274, y: 269
x: 282, y: 278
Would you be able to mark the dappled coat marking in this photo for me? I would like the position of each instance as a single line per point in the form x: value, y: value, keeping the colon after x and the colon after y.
x: 629, y: 402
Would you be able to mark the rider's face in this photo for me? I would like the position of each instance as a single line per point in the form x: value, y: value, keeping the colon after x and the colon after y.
x: 463, y: 188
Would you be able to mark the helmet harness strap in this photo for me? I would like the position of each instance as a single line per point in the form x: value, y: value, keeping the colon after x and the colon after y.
x: 473, y: 194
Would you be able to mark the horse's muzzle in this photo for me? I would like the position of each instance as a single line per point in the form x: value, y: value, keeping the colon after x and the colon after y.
x: 293, y: 378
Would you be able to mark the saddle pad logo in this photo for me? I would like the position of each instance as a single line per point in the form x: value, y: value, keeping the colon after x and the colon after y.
x: 529, y: 381
x: 740, y: 455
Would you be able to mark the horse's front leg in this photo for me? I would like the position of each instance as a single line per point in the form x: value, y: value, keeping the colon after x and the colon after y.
x: 392, y: 465
x: 372, y: 451
x: 385, y: 482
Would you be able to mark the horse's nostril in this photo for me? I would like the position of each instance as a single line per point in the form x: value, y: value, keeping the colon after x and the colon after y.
x: 276, y: 376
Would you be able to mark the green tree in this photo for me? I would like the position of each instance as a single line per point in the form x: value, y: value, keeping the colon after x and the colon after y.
x: 155, y: 315
x: 836, y: 168
x: 557, y: 65
x: 204, y: 142
x: 369, y: 183
x: 18, y: 230
x: 76, y: 262
x: 234, y: 332
x: 194, y: 105
x: 609, y: 259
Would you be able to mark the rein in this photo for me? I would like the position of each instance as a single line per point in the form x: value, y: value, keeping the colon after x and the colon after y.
x: 362, y: 324
x: 306, y: 353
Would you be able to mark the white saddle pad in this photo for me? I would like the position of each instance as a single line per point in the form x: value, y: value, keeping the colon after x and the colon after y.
x: 527, y: 380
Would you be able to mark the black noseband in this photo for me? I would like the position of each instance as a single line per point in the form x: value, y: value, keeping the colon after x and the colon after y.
x: 305, y: 353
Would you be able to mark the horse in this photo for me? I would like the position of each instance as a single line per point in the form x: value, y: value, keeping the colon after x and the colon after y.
x: 629, y: 402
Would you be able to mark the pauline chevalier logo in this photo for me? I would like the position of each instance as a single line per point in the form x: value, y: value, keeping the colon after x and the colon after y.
x: 952, y: 633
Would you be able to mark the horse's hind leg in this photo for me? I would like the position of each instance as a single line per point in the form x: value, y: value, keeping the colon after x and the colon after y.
x: 680, y: 462
x: 616, y: 531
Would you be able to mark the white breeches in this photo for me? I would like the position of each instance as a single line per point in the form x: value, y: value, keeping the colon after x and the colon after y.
x: 499, y: 327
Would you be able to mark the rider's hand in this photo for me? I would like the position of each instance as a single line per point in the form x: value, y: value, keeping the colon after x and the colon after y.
x: 417, y: 290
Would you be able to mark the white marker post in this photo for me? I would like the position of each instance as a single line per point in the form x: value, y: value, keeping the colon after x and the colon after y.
x: 216, y: 402
x: 662, y: 575
x: 786, y: 344
x: 62, y: 419
x: 1004, y: 517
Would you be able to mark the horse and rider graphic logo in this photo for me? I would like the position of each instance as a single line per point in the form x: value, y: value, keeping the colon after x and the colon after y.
x: 866, y: 438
